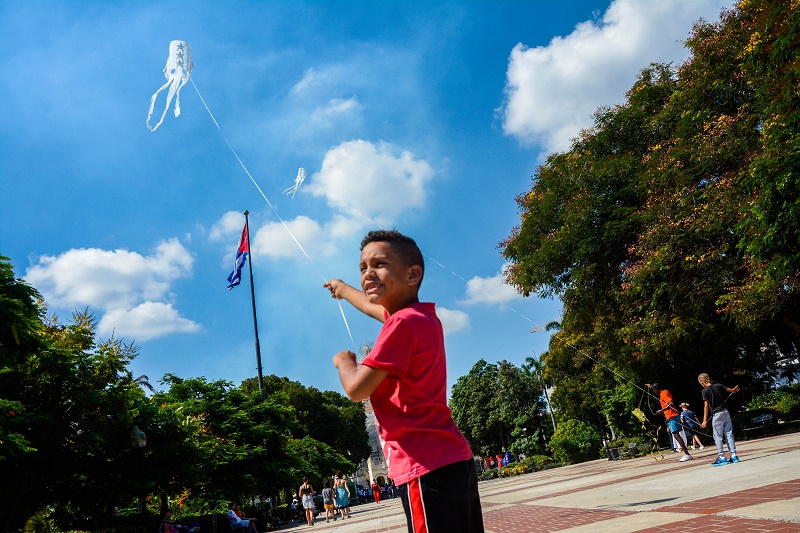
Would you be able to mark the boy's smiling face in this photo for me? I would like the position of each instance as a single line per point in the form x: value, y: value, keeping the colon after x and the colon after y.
x: 386, y: 279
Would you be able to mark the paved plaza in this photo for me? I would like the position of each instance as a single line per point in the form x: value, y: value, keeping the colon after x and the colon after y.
x: 762, y: 493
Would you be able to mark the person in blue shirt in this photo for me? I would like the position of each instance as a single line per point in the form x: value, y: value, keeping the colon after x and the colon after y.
x: 690, y: 426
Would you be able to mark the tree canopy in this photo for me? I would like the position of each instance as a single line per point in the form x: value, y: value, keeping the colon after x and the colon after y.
x: 671, y: 229
x: 69, y: 405
x: 497, y: 406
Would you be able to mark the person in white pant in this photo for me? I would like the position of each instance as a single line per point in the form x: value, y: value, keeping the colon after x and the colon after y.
x: 715, y: 400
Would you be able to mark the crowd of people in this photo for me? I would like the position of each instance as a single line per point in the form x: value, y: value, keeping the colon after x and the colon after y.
x: 497, y: 461
x: 334, y: 499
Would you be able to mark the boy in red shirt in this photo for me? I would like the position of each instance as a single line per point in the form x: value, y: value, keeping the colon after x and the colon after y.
x: 673, y: 417
x: 404, y: 375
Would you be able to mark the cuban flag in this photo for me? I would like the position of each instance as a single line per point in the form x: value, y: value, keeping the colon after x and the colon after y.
x: 241, y: 258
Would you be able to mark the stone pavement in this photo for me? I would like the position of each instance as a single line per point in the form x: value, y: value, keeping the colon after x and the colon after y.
x: 762, y: 493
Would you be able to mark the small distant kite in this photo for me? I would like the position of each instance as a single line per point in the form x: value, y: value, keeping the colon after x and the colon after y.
x: 177, y: 72
x: 301, y: 176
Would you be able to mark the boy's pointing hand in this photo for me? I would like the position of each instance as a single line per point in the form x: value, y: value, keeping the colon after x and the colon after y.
x: 333, y: 286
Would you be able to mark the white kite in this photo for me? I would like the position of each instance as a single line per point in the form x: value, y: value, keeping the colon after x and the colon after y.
x: 177, y: 72
x: 301, y: 176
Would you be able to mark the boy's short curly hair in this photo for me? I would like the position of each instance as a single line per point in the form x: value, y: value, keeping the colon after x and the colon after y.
x: 405, y: 246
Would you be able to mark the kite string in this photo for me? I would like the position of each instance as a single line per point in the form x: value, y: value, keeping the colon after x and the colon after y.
x: 538, y: 326
x: 362, y: 215
x: 274, y: 209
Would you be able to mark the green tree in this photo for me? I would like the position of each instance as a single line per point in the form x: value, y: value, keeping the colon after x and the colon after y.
x: 19, y: 327
x: 498, y: 406
x: 326, y: 416
x: 669, y: 230
x: 249, y: 446
x: 575, y: 442
x: 244, y: 442
x: 75, y: 402
x: 68, y: 405
x: 535, y: 367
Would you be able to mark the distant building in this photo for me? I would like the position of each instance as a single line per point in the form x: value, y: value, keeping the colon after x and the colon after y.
x: 379, y: 467
x: 372, y: 431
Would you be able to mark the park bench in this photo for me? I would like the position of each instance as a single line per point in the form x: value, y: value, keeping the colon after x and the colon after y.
x: 630, y: 450
x: 760, y: 423
x: 615, y: 454
x: 237, y: 528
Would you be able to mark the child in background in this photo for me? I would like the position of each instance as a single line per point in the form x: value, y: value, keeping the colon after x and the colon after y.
x: 690, y: 424
x: 327, y: 501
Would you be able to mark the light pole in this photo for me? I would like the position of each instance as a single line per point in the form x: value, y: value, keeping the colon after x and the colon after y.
x: 139, y: 441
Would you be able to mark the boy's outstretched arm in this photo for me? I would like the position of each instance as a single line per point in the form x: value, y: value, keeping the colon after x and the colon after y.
x: 341, y: 290
x: 358, y: 381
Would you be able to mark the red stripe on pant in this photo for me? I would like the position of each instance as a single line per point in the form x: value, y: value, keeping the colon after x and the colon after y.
x: 417, y: 506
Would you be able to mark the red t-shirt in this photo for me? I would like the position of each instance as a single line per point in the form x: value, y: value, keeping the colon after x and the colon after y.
x: 414, y: 423
x: 665, y: 397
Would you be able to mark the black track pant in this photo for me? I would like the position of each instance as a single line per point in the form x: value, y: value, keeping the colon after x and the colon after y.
x: 444, y: 501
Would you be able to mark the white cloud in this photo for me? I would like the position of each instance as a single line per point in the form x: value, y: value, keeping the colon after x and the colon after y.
x: 452, y: 321
x: 344, y: 227
x: 372, y: 180
x: 117, y: 283
x: 228, y: 226
x: 491, y: 290
x: 324, y: 99
x: 274, y: 241
x: 109, y: 279
x: 552, y: 91
x: 314, y: 79
x: 146, y: 321
x: 335, y: 109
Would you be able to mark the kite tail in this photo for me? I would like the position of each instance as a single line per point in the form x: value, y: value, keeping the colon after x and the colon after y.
x: 153, y: 103
x: 174, y: 92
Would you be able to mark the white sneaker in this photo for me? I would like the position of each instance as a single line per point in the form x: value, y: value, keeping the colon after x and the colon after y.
x: 685, y: 458
x: 691, y: 447
x: 702, y: 447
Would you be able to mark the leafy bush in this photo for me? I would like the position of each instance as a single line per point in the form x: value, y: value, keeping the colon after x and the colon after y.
x: 42, y: 522
x: 643, y: 445
x: 788, y: 407
x: 575, y: 442
x: 489, y: 474
x: 784, y: 402
x: 540, y: 462
x: 514, y: 469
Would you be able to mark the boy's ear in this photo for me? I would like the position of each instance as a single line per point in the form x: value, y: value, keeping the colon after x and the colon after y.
x: 414, y: 275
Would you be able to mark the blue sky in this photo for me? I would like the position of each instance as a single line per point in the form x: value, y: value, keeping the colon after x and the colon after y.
x: 429, y: 117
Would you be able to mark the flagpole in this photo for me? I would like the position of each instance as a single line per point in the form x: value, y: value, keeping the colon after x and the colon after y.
x: 253, y: 300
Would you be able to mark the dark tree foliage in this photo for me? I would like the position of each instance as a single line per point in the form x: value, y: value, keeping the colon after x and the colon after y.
x: 325, y: 416
x: 671, y: 229
x: 69, y: 404
x: 248, y: 445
